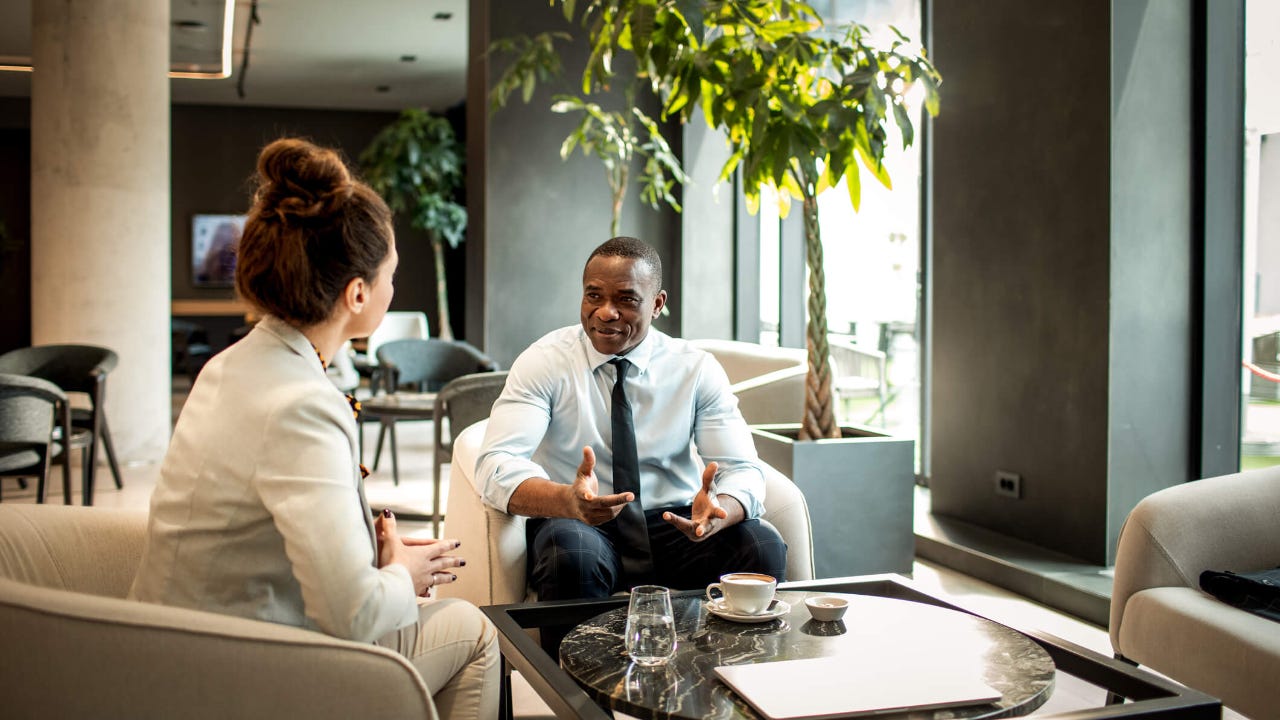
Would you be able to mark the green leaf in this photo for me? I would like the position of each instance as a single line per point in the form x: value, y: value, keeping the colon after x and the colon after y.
x: 903, y: 119
x: 930, y: 93
x: 854, y: 185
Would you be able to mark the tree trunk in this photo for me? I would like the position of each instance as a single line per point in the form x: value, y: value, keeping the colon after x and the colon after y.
x: 444, y: 330
x: 619, y: 186
x: 819, y: 408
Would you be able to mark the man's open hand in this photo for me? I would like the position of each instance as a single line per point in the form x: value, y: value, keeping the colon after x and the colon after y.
x: 708, y: 515
x: 589, y: 507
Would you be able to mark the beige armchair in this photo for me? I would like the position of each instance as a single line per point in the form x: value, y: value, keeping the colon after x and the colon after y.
x: 1159, y: 616
x: 74, y: 647
x: 493, y: 542
x: 769, y: 381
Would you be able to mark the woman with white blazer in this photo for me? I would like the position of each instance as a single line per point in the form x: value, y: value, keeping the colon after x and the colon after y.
x: 260, y: 509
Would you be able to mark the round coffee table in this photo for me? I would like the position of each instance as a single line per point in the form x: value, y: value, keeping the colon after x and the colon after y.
x: 594, y: 655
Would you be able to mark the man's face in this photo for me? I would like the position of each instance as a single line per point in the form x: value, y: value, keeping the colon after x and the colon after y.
x: 620, y: 298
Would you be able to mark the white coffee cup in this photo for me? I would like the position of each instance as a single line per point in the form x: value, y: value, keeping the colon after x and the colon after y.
x: 746, y: 593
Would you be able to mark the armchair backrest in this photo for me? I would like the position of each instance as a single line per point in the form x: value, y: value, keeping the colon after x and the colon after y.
x: 74, y: 368
x: 745, y: 360
x: 397, y: 325
x: 30, y: 408
x: 430, y: 363
x: 769, y: 382
x: 467, y: 399
x: 64, y: 548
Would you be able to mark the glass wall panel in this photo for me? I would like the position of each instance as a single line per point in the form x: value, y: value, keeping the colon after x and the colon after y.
x: 1260, y: 439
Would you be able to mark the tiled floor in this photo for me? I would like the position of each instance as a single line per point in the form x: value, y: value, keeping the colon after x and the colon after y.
x: 414, y: 495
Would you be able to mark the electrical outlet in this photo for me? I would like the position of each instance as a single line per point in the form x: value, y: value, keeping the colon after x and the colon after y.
x: 1008, y: 484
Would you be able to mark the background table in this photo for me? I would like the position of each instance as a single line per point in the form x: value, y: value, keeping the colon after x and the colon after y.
x: 402, y: 406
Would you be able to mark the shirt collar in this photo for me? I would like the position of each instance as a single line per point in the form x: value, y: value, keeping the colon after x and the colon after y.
x: 639, y: 355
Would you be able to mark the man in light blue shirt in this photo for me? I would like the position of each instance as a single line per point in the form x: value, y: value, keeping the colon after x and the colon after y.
x: 550, y: 451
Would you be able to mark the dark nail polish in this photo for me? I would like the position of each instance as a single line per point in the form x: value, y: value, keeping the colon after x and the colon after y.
x: 452, y: 576
x: 462, y: 563
x: 386, y: 512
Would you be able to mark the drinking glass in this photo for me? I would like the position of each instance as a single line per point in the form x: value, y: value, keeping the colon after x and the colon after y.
x: 651, y: 626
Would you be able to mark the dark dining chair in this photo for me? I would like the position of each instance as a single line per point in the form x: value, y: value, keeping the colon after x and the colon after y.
x: 34, y: 413
x: 421, y: 366
x: 191, y: 348
x: 75, y: 369
x: 461, y: 403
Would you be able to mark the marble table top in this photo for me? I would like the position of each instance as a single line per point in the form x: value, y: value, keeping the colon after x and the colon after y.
x: 933, y: 638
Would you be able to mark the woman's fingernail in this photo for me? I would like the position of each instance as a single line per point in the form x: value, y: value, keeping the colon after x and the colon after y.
x: 386, y: 512
x: 455, y: 577
x: 462, y: 563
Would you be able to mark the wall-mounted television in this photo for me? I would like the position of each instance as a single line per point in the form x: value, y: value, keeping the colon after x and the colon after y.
x: 213, y: 249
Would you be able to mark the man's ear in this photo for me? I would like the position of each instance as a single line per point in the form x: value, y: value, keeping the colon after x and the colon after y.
x: 355, y: 295
x: 659, y: 301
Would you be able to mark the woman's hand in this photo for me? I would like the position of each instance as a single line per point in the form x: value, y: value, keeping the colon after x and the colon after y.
x: 425, y: 558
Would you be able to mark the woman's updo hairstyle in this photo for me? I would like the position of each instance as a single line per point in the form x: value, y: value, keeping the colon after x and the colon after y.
x: 313, y: 228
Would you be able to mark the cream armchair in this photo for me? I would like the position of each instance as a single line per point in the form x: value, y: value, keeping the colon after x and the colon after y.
x: 769, y: 381
x: 74, y: 647
x: 494, y: 544
x: 1159, y: 616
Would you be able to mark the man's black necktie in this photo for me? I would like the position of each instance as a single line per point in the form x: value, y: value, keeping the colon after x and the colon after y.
x: 636, y: 558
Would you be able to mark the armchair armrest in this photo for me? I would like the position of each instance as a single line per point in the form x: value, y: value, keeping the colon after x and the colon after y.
x: 786, y: 509
x: 493, y: 542
x: 132, y: 659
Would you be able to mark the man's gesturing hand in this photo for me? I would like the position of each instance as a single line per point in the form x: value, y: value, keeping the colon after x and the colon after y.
x: 708, y: 516
x: 588, y: 507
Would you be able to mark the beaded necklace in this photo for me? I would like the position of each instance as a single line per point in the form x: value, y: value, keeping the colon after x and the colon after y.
x: 351, y: 400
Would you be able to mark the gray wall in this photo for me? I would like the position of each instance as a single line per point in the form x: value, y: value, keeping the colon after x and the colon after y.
x: 536, y: 217
x: 215, y: 151
x: 1061, y: 288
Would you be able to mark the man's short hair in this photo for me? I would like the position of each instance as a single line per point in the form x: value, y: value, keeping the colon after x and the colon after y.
x: 629, y: 247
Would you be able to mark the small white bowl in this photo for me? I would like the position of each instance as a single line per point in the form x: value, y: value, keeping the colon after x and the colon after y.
x: 826, y: 608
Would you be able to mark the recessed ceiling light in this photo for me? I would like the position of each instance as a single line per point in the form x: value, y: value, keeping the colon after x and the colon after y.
x: 191, y: 25
x: 408, y: 58
x: 443, y: 15
x: 383, y: 88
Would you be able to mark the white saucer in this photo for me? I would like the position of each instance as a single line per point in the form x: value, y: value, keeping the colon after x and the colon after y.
x: 777, y: 609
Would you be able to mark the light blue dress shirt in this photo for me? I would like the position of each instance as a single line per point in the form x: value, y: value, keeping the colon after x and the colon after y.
x: 557, y: 400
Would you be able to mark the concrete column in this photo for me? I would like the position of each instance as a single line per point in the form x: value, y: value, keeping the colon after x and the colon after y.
x: 100, y: 200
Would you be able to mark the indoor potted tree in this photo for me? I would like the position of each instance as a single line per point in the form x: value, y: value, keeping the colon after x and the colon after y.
x: 617, y: 138
x: 416, y: 164
x: 804, y: 107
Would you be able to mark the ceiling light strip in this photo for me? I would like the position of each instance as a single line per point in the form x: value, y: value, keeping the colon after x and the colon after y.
x: 224, y: 64
x: 13, y: 63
